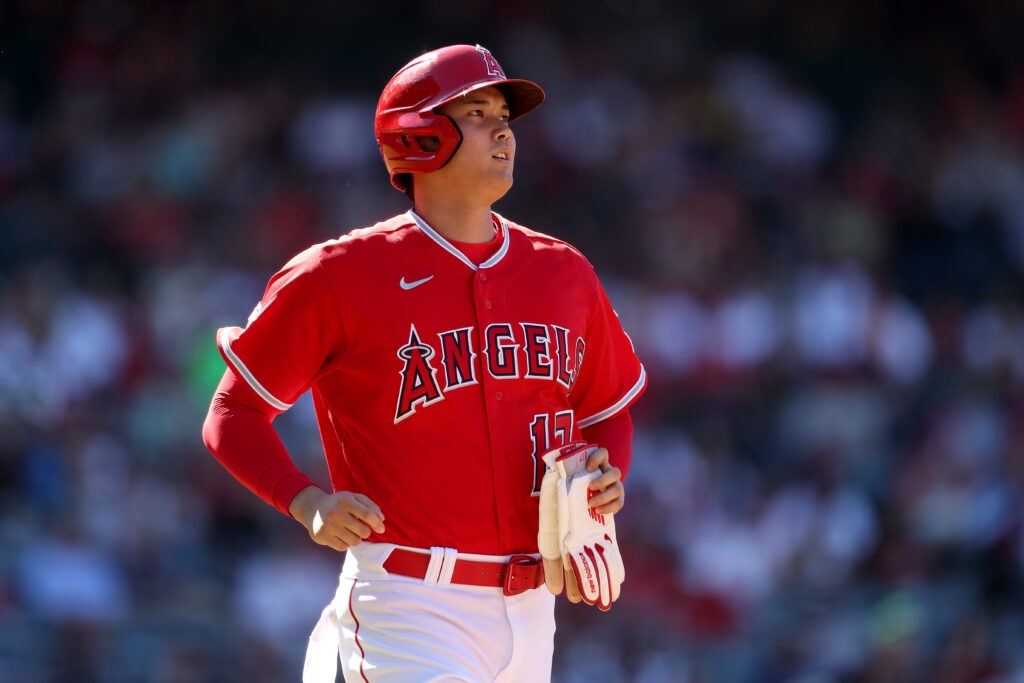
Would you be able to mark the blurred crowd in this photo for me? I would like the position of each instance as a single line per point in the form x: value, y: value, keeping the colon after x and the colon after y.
x: 809, y: 216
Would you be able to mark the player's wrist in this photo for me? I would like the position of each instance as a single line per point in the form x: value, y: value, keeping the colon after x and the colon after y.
x: 304, y: 504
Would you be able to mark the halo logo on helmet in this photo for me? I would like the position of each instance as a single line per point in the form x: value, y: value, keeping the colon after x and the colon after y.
x: 493, y: 68
x: 406, y: 112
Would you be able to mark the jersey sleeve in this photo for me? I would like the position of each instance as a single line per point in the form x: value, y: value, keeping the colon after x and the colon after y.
x: 238, y: 432
x: 292, y: 336
x: 611, y: 376
x: 615, y: 434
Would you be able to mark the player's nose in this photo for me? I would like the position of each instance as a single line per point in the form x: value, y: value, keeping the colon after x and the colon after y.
x: 502, y: 131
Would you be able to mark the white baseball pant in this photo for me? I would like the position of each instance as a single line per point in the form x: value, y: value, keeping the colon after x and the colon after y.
x: 390, y: 628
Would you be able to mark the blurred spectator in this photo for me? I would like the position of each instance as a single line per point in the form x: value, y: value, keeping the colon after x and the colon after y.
x: 809, y: 217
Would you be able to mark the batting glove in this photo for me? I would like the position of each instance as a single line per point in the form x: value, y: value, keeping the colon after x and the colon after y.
x: 586, y: 539
x: 549, y: 543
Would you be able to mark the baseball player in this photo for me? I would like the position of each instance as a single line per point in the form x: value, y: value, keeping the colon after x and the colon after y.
x: 450, y: 353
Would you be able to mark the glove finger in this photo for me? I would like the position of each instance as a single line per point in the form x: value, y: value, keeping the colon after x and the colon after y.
x: 601, y: 572
x: 614, y: 558
x: 585, y: 569
x: 615, y: 579
x: 562, y: 516
x: 572, y: 589
x: 554, y: 577
x: 604, y: 599
x: 548, y: 540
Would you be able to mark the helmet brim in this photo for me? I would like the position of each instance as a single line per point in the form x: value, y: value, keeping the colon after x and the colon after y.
x: 522, y: 96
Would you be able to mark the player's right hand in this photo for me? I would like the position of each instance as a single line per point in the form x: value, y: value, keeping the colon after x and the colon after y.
x: 338, y: 520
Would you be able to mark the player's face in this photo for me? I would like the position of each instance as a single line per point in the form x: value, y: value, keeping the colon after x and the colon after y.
x: 483, y: 163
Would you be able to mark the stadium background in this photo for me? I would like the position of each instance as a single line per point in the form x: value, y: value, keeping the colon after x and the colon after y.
x: 810, y: 217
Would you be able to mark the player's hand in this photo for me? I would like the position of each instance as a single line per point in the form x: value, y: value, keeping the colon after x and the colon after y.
x: 576, y: 530
x: 338, y: 520
x: 612, y: 494
x: 610, y: 500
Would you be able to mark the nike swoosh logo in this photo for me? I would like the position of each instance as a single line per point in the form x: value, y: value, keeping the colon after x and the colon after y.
x: 415, y: 283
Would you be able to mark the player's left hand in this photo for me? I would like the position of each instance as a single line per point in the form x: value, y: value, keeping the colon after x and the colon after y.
x: 612, y: 494
x: 610, y: 500
x: 575, y: 538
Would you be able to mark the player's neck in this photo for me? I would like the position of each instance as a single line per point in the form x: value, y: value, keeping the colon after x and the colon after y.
x: 457, y: 221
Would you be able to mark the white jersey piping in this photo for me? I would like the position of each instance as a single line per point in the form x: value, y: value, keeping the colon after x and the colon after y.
x: 618, y: 405
x: 225, y: 343
x: 453, y: 250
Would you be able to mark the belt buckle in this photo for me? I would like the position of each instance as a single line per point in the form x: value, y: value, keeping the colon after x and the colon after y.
x: 517, y: 582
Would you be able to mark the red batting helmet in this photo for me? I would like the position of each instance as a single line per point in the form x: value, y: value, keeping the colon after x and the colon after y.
x: 406, y: 109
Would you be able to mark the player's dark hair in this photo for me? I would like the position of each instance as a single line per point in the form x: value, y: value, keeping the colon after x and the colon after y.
x: 405, y: 179
x: 427, y: 143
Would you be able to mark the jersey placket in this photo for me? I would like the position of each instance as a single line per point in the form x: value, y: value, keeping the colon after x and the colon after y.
x: 498, y: 391
x: 498, y: 379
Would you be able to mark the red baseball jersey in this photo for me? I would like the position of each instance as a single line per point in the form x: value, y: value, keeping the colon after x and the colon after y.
x: 438, y: 383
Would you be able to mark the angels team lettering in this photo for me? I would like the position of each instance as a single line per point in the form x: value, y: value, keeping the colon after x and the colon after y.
x: 511, y: 351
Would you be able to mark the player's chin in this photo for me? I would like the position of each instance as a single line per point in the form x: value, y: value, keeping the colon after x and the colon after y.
x: 502, y: 175
x: 499, y: 187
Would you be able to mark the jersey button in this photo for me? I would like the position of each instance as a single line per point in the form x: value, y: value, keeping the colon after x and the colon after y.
x: 483, y: 276
x: 498, y: 395
x: 488, y: 305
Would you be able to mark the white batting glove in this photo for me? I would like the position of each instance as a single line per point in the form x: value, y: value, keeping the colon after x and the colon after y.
x: 549, y: 540
x: 548, y: 543
x: 585, y: 539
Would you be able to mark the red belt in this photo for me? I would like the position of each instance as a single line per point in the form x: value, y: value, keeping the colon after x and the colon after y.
x: 519, y: 574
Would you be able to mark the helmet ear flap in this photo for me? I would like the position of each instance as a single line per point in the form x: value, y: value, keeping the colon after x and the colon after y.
x: 412, y: 149
x: 449, y: 140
